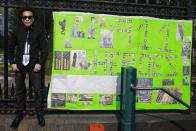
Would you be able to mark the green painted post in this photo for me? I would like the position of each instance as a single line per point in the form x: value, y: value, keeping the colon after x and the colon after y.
x: 127, y: 109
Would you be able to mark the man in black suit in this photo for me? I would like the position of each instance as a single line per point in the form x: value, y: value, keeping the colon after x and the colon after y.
x: 28, y: 50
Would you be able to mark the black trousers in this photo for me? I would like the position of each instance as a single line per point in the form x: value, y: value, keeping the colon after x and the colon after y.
x: 35, y: 78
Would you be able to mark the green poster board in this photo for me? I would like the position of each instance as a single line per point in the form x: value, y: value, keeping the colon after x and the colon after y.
x: 90, y: 49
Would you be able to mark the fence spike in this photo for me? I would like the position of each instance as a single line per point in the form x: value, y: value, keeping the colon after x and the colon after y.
x: 0, y: 91
x: 46, y: 90
x: 12, y: 91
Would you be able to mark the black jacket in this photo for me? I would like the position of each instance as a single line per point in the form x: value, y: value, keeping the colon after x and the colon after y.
x: 38, y: 45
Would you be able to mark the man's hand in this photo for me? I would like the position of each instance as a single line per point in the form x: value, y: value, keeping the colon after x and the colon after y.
x: 14, y: 67
x: 37, y: 68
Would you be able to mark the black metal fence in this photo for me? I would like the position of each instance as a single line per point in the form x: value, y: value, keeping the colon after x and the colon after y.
x: 178, y: 9
x: 158, y: 8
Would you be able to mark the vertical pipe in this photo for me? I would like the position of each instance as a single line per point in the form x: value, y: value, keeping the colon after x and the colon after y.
x: 27, y: 3
x: 178, y: 3
x: 6, y: 51
x: 157, y: 2
x: 194, y: 54
x: 127, y: 108
x: 1, y: 92
x: 190, y: 9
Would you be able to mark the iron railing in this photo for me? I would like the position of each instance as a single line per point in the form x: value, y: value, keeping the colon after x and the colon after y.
x: 157, y: 8
x: 178, y: 9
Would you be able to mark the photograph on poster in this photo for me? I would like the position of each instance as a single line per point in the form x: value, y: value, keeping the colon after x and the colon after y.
x: 186, y: 50
x: 106, y: 39
x: 85, y: 97
x: 168, y: 82
x: 58, y: 57
x: 186, y: 81
x: 91, y: 32
x: 78, y: 60
x: 68, y: 43
x: 186, y: 70
x: 58, y: 100
x: 144, y: 96
x: 106, y: 99
x: 63, y: 26
x: 164, y: 98
x: 71, y: 98
x: 180, y: 32
x: 66, y: 60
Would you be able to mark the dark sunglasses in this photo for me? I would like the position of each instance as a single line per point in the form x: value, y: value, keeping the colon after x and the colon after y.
x: 25, y: 17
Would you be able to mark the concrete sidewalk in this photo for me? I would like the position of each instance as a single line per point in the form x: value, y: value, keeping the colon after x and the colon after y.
x: 111, y: 122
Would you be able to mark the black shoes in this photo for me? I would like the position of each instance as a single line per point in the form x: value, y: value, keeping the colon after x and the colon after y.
x: 17, y: 120
x: 41, y: 120
x: 20, y: 116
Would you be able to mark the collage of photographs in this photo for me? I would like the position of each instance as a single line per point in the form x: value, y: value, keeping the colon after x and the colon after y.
x: 59, y: 100
x: 154, y: 63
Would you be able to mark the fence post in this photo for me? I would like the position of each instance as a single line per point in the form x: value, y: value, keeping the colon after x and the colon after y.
x: 127, y: 108
x: 6, y: 54
x: 1, y: 92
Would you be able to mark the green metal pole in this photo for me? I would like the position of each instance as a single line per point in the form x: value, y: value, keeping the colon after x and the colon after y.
x: 127, y: 111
